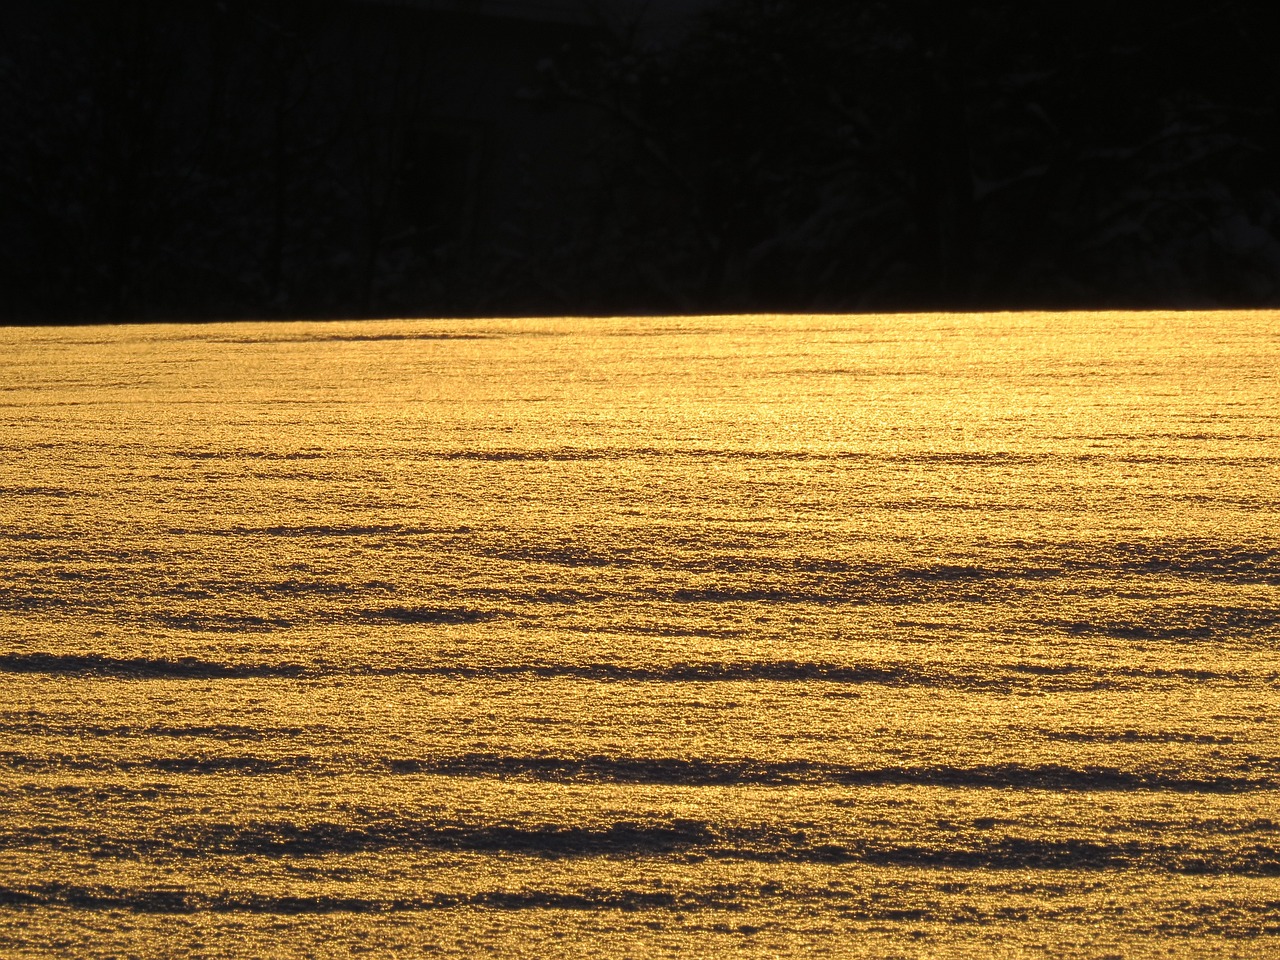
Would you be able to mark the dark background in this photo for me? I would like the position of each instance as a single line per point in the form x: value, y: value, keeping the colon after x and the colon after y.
x: 265, y: 158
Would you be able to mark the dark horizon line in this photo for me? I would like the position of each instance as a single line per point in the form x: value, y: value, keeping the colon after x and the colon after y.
x: 779, y: 310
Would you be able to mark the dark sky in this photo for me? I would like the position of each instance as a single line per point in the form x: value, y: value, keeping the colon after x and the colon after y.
x: 275, y: 158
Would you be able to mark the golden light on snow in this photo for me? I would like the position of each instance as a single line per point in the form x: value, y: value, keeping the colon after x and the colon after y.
x: 859, y: 636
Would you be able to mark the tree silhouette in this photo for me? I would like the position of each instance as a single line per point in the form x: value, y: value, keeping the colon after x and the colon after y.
x: 289, y: 158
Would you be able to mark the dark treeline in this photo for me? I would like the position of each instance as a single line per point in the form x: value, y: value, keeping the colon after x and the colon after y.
x: 275, y: 158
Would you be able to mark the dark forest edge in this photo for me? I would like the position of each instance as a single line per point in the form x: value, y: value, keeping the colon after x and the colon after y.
x: 335, y: 158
